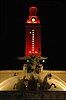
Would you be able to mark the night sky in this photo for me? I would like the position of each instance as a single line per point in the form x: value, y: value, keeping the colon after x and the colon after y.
x: 14, y: 14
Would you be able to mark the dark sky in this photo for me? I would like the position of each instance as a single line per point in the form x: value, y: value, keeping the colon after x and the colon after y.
x: 14, y: 14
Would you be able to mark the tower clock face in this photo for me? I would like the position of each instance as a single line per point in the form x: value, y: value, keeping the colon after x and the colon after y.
x: 33, y: 19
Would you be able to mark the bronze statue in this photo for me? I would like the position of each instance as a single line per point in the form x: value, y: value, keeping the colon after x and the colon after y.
x: 46, y: 85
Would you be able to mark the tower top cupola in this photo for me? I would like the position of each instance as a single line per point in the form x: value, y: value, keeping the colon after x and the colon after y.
x: 33, y: 18
x: 33, y: 11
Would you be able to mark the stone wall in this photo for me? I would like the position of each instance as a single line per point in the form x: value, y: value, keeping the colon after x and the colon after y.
x: 33, y: 95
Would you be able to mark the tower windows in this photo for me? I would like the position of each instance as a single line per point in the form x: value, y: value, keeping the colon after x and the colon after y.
x: 35, y: 51
x: 29, y: 51
x: 32, y: 46
x: 30, y: 32
x: 32, y: 39
x: 32, y: 43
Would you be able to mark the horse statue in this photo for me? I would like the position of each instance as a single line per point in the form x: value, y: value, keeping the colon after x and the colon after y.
x: 21, y: 84
x: 32, y: 83
x: 45, y: 84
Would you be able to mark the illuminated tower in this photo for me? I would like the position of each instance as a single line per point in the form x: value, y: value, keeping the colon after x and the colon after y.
x: 33, y: 34
x: 33, y: 42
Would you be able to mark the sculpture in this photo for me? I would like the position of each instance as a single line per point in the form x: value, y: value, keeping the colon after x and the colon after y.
x: 45, y: 83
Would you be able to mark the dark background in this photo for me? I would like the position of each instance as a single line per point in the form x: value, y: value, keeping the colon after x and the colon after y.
x: 14, y: 14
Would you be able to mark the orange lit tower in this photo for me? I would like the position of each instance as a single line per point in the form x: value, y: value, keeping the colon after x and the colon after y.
x: 33, y: 42
x: 33, y: 34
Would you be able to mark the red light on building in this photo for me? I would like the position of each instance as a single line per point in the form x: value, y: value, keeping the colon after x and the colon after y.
x: 33, y: 18
x: 33, y: 34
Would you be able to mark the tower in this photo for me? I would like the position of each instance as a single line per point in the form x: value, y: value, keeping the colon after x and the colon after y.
x: 33, y: 34
x: 33, y: 42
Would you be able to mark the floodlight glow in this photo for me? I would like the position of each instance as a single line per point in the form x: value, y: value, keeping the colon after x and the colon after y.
x: 33, y: 19
x: 43, y: 60
x: 27, y: 60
